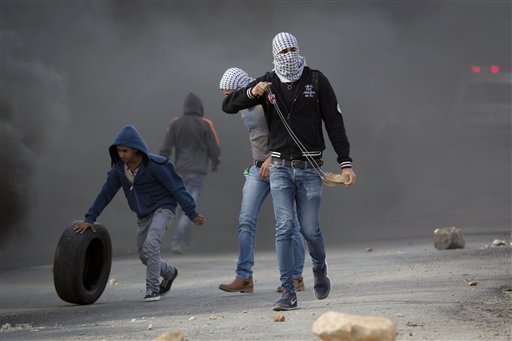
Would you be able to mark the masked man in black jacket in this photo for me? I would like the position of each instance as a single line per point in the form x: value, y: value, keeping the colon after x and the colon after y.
x: 299, y: 98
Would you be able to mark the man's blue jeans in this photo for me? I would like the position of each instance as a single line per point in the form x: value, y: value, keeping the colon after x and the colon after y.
x: 302, y: 188
x: 254, y: 193
x: 183, y: 234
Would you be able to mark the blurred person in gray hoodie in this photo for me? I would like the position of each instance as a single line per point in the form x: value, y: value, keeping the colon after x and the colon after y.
x: 196, y: 148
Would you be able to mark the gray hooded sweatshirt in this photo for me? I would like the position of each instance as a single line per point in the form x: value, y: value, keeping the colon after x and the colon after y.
x: 193, y: 139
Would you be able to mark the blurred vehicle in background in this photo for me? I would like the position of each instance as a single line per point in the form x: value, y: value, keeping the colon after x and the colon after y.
x: 483, y: 106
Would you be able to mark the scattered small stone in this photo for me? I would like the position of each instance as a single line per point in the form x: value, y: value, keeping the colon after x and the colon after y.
x: 498, y: 242
x: 448, y: 238
x: 213, y: 317
x: 473, y: 283
x: 113, y: 281
x: 412, y: 324
x: 278, y: 318
x: 14, y: 327
x: 192, y: 318
x: 369, y: 249
x: 150, y: 326
x: 133, y: 320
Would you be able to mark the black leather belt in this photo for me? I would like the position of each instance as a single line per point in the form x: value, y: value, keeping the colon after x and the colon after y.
x: 303, y: 164
x: 258, y: 163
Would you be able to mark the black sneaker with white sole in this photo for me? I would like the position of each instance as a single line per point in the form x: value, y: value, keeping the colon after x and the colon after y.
x: 288, y: 301
x: 166, y: 284
x: 322, y: 284
x: 151, y: 296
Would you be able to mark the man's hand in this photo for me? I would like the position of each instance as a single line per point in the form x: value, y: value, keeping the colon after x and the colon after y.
x: 351, y: 176
x: 82, y: 226
x: 199, y: 220
x: 259, y: 89
x: 264, y: 172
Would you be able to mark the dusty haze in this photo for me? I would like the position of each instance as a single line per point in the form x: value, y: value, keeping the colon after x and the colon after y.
x: 75, y: 72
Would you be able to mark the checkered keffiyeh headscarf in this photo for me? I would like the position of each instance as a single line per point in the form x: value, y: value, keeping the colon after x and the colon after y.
x: 288, y: 66
x: 234, y: 79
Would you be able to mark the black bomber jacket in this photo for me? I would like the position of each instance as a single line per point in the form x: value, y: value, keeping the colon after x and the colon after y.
x: 304, y: 106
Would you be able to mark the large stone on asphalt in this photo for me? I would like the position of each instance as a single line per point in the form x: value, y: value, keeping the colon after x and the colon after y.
x: 335, y: 326
x: 448, y: 238
x: 172, y: 336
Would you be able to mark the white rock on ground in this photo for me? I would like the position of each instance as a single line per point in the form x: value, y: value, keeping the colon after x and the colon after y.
x: 172, y: 336
x: 335, y: 326
x: 448, y: 238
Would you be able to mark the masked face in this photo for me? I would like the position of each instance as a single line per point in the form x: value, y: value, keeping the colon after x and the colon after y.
x: 288, y: 64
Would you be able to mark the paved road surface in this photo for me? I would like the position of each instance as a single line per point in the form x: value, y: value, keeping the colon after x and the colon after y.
x: 425, y: 291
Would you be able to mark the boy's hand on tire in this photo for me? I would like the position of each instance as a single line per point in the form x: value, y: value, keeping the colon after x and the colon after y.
x: 82, y: 226
x: 199, y: 220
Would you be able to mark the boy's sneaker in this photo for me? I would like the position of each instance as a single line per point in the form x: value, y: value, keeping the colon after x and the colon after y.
x: 288, y: 301
x: 151, y: 296
x: 322, y: 284
x: 165, y: 286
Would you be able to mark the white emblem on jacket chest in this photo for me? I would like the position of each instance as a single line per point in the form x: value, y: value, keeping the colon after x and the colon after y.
x: 308, y: 91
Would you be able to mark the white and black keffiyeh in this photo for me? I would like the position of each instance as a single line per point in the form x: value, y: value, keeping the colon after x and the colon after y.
x: 234, y: 79
x: 288, y: 66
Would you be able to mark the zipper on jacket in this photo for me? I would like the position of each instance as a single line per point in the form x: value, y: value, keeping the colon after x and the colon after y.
x: 290, y: 141
x: 138, y: 175
x: 132, y: 188
x: 136, y: 198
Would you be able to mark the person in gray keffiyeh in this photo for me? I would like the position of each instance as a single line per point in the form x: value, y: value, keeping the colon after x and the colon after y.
x: 255, y: 191
x: 298, y: 100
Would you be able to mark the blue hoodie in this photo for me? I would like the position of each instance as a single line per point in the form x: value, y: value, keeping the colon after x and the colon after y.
x: 156, y: 185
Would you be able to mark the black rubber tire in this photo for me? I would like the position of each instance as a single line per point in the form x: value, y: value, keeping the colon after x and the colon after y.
x: 81, y: 266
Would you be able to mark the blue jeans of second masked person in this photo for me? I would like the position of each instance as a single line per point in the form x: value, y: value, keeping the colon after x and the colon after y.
x: 182, y: 237
x: 301, y: 188
x: 254, y: 193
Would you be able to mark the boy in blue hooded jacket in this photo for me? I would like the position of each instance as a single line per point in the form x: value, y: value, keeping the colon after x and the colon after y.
x: 153, y: 189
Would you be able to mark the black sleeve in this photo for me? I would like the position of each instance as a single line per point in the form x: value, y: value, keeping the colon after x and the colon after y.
x: 333, y: 121
x: 238, y: 100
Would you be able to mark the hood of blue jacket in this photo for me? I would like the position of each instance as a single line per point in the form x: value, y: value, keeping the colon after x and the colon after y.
x: 128, y: 137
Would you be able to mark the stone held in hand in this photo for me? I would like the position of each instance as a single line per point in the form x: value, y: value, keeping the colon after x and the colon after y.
x: 448, y: 238
x: 333, y: 179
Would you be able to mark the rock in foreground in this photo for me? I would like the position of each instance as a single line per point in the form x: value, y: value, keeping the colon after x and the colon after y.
x: 335, y: 326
